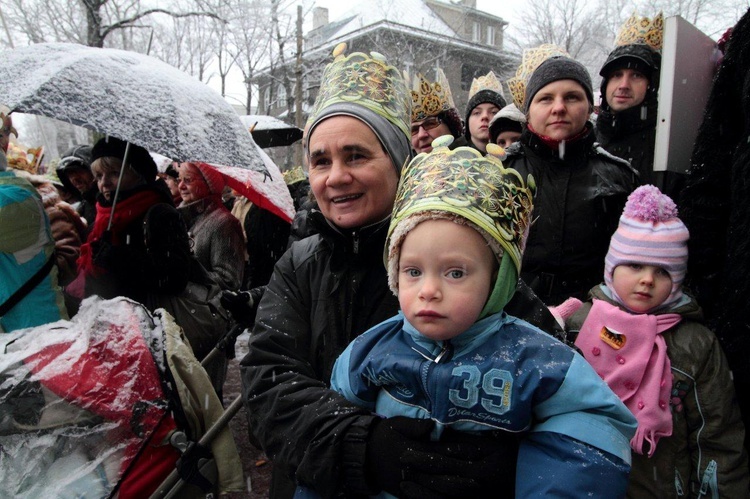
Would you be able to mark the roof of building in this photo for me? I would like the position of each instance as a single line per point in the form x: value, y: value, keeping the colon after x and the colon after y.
x: 415, y: 13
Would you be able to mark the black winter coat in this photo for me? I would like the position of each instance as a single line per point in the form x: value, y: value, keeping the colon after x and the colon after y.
x: 631, y: 135
x: 714, y: 206
x: 325, y: 291
x: 577, y: 206
x: 267, y: 237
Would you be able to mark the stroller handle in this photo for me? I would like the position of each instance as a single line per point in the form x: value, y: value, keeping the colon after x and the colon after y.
x: 173, y: 483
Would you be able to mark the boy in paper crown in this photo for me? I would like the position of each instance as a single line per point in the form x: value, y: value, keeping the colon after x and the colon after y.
x: 643, y: 336
x: 453, y: 356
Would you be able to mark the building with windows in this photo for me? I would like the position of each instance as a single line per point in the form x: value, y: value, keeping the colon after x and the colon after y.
x: 416, y: 35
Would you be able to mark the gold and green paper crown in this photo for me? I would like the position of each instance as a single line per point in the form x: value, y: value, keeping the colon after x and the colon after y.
x: 430, y: 99
x: 294, y: 175
x: 531, y: 60
x: 642, y: 31
x: 466, y: 183
x: 486, y: 82
x: 368, y: 81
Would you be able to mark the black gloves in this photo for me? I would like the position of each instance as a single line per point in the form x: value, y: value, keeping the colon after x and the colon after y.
x: 401, y: 459
x: 243, y: 305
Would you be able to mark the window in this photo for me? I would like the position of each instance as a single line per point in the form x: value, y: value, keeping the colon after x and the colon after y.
x: 282, y: 96
x: 490, y: 35
x: 476, y: 32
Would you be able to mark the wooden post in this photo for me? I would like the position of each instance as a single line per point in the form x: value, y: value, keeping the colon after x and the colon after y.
x: 298, y: 118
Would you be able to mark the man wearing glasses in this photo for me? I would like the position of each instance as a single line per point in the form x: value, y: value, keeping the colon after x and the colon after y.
x: 434, y: 114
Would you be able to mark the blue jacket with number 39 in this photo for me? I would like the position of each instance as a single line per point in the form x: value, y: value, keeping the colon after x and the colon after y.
x: 503, y: 374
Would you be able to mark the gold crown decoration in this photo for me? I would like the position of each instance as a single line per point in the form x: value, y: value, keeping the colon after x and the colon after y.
x: 366, y: 80
x: 294, y: 175
x: 430, y: 99
x: 486, y: 82
x: 531, y: 60
x: 473, y: 186
x: 642, y: 31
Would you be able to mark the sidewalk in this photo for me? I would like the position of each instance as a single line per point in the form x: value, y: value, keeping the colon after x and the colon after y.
x: 255, y: 465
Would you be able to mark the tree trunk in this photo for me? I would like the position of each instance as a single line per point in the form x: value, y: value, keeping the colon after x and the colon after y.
x: 94, y: 23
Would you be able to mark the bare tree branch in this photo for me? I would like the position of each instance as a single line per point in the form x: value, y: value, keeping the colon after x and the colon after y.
x: 106, y: 30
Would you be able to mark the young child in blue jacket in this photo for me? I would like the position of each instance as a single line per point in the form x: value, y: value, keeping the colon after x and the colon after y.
x: 452, y: 355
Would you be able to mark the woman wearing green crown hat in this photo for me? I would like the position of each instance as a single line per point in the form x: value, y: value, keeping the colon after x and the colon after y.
x: 329, y: 288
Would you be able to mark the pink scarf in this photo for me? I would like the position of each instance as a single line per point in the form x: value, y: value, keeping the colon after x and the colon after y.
x: 630, y: 354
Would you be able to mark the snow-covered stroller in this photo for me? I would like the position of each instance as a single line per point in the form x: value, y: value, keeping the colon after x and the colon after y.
x: 92, y: 407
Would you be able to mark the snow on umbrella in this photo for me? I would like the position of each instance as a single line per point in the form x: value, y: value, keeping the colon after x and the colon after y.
x: 271, y: 132
x: 134, y: 97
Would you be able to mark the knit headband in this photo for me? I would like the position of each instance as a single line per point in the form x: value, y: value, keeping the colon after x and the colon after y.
x: 365, y: 87
x: 555, y: 69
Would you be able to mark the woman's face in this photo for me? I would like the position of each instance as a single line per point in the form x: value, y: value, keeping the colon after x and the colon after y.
x: 192, y: 184
x: 559, y: 110
x: 352, y: 177
x: 106, y: 172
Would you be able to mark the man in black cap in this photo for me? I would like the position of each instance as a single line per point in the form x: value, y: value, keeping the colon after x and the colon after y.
x: 626, y: 125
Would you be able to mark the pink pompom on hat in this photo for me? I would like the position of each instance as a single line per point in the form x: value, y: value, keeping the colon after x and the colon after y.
x: 650, y: 233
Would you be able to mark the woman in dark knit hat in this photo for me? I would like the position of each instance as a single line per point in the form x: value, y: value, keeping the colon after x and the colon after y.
x: 581, y: 190
x: 126, y: 259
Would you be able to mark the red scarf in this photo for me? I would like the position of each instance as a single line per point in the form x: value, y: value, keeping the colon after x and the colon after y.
x: 126, y: 211
x: 554, y: 144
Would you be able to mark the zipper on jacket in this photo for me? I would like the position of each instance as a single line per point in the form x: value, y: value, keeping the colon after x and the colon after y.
x: 677, y: 483
x: 355, y: 242
x: 446, y: 353
x: 708, y: 482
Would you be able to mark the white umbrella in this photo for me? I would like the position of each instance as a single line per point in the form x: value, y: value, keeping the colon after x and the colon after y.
x: 136, y: 98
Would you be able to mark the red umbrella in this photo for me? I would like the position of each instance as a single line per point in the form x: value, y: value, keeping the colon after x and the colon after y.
x: 266, y: 190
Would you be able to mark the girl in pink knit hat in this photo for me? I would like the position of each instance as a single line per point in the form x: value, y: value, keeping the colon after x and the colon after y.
x: 644, y: 337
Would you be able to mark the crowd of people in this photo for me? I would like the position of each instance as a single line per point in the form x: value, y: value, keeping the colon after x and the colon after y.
x: 496, y: 304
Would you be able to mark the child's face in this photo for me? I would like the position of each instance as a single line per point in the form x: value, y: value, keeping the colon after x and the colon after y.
x: 444, y: 277
x: 641, y: 287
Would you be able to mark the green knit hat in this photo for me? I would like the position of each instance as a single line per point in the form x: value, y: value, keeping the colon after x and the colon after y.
x: 468, y: 188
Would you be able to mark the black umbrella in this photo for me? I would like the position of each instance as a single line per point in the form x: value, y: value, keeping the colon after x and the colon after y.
x: 271, y: 132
